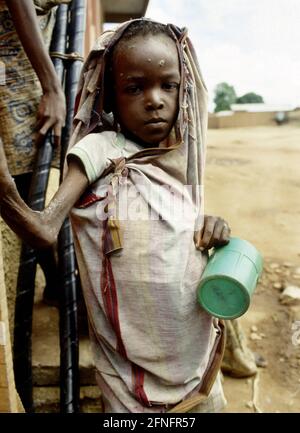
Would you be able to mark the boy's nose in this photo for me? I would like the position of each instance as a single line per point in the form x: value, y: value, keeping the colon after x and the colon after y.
x: 154, y: 101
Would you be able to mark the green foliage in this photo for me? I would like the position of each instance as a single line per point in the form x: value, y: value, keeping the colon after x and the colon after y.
x: 249, y: 98
x: 224, y: 96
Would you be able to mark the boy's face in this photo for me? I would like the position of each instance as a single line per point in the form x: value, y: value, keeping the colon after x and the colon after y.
x: 146, y: 86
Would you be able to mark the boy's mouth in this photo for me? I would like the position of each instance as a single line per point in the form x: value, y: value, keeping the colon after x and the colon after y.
x: 155, y: 120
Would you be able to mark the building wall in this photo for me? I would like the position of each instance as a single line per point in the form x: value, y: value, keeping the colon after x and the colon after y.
x: 294, y: 116
x: 240, y: 119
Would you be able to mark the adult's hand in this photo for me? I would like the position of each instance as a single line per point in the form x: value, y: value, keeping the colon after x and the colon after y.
x: 51, y: 114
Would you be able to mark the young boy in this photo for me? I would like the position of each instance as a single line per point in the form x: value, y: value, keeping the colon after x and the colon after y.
x: 133, y: 191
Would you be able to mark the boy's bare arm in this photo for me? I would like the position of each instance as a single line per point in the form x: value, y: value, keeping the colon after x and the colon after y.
x: 39, y: 229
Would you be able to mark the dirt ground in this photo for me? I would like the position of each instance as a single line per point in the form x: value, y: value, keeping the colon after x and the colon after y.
x: 253, y: 181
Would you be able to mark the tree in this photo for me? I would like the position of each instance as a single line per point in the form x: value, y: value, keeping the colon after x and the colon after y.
x: 249, y: 98
x: 224, y: 96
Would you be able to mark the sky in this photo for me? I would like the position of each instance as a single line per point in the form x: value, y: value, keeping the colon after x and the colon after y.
x: 253, y: 45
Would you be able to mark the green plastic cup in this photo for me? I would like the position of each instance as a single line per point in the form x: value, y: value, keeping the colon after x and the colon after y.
x: 229, y: 279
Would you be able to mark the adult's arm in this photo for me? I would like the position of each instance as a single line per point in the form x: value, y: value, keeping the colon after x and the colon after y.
x: 52, y: 107
x: 39, y: 229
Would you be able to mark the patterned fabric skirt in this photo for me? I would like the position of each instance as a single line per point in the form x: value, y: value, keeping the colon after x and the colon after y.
x: 20, y: 93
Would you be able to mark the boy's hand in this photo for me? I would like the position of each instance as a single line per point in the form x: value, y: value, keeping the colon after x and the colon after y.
x: 215, y: 233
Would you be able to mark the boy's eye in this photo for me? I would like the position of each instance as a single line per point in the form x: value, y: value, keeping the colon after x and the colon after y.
x: 170, y: 86
x: 133, y: 89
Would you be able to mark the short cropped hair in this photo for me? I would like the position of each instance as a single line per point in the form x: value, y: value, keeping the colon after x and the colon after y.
x: 142, y: 27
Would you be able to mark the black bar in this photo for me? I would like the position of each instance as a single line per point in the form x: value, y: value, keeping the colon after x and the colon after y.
x: 69, y: 344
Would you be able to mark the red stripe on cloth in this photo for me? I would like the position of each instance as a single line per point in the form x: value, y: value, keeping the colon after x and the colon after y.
x: 113, y: 291
x: 106, y: 294
x: 110, y: 299
x: 87, y: 199
x: 138, y: 385
x: 105, y: 286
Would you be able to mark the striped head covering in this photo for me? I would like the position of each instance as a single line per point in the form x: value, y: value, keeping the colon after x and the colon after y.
x: 191, y: 124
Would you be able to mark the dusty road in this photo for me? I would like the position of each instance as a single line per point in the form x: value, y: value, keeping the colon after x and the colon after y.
x: 253, y: 181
